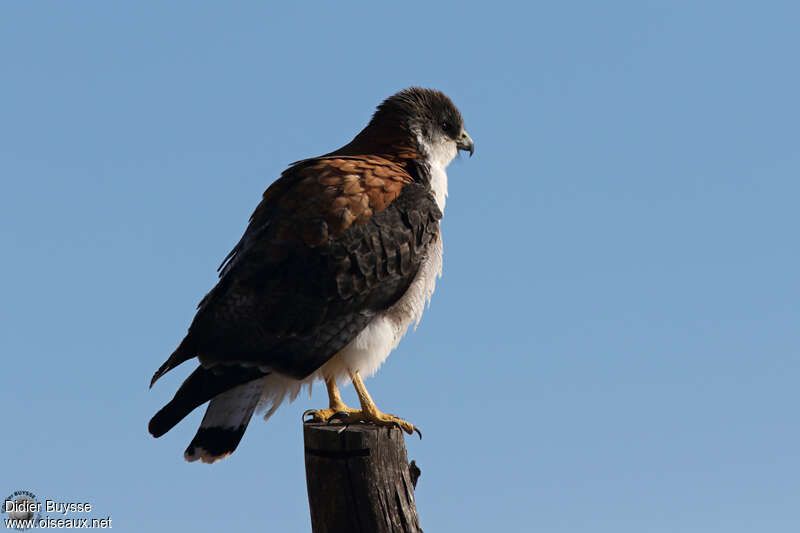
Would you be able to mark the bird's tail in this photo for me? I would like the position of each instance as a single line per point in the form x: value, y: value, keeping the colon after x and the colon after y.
x: 224, y: 423
x: 201, y: 386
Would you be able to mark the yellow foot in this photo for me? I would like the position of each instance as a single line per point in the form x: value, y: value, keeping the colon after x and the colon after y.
x: 379, y: 419
x: 325, y: 415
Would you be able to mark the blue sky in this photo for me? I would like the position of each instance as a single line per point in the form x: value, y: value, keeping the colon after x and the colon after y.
x: 614, y: 344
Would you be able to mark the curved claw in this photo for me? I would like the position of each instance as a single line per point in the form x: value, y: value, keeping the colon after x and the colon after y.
x: 306, y: 413
x: 340, y: 415
x: 396, y: 424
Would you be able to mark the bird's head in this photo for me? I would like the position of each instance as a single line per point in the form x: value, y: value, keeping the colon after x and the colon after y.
x: 424, y: 117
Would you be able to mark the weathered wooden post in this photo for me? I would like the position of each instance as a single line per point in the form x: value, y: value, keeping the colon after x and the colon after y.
x: 358, y: 479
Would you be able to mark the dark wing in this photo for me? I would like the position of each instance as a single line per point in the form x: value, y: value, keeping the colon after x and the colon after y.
x: 333, y: 242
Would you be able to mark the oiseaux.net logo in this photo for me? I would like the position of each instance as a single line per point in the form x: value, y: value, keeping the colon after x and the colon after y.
x: 25, y: 511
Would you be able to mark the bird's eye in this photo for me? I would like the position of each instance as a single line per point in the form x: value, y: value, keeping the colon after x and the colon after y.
x: 445, y: 125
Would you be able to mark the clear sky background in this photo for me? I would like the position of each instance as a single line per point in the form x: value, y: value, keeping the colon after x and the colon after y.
x: 614, y: 346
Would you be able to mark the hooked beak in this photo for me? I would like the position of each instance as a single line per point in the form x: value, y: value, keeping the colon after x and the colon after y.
x: 465, y: 143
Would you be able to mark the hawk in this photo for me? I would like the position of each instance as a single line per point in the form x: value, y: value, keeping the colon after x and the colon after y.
x: 339, y: 258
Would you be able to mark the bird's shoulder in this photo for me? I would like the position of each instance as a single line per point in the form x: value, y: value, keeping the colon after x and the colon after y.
x: 318, y: 200
x: 325, y: 196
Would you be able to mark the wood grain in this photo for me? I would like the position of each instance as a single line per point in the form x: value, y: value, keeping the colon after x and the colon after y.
x: 358, y: 480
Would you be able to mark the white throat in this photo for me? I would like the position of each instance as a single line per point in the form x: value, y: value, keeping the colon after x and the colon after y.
x: 438, y: 155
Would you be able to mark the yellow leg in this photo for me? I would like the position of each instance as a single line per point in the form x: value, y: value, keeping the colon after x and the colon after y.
x: 369, y: 411
x: 336, y: 405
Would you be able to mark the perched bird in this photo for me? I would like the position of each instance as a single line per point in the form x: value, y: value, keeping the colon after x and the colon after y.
x: 338, y: 259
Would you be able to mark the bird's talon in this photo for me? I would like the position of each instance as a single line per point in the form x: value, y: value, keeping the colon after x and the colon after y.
x: 418, y: 432
x: 337, y: 416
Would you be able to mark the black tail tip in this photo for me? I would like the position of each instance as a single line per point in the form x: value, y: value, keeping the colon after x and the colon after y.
x: 212, y: 444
